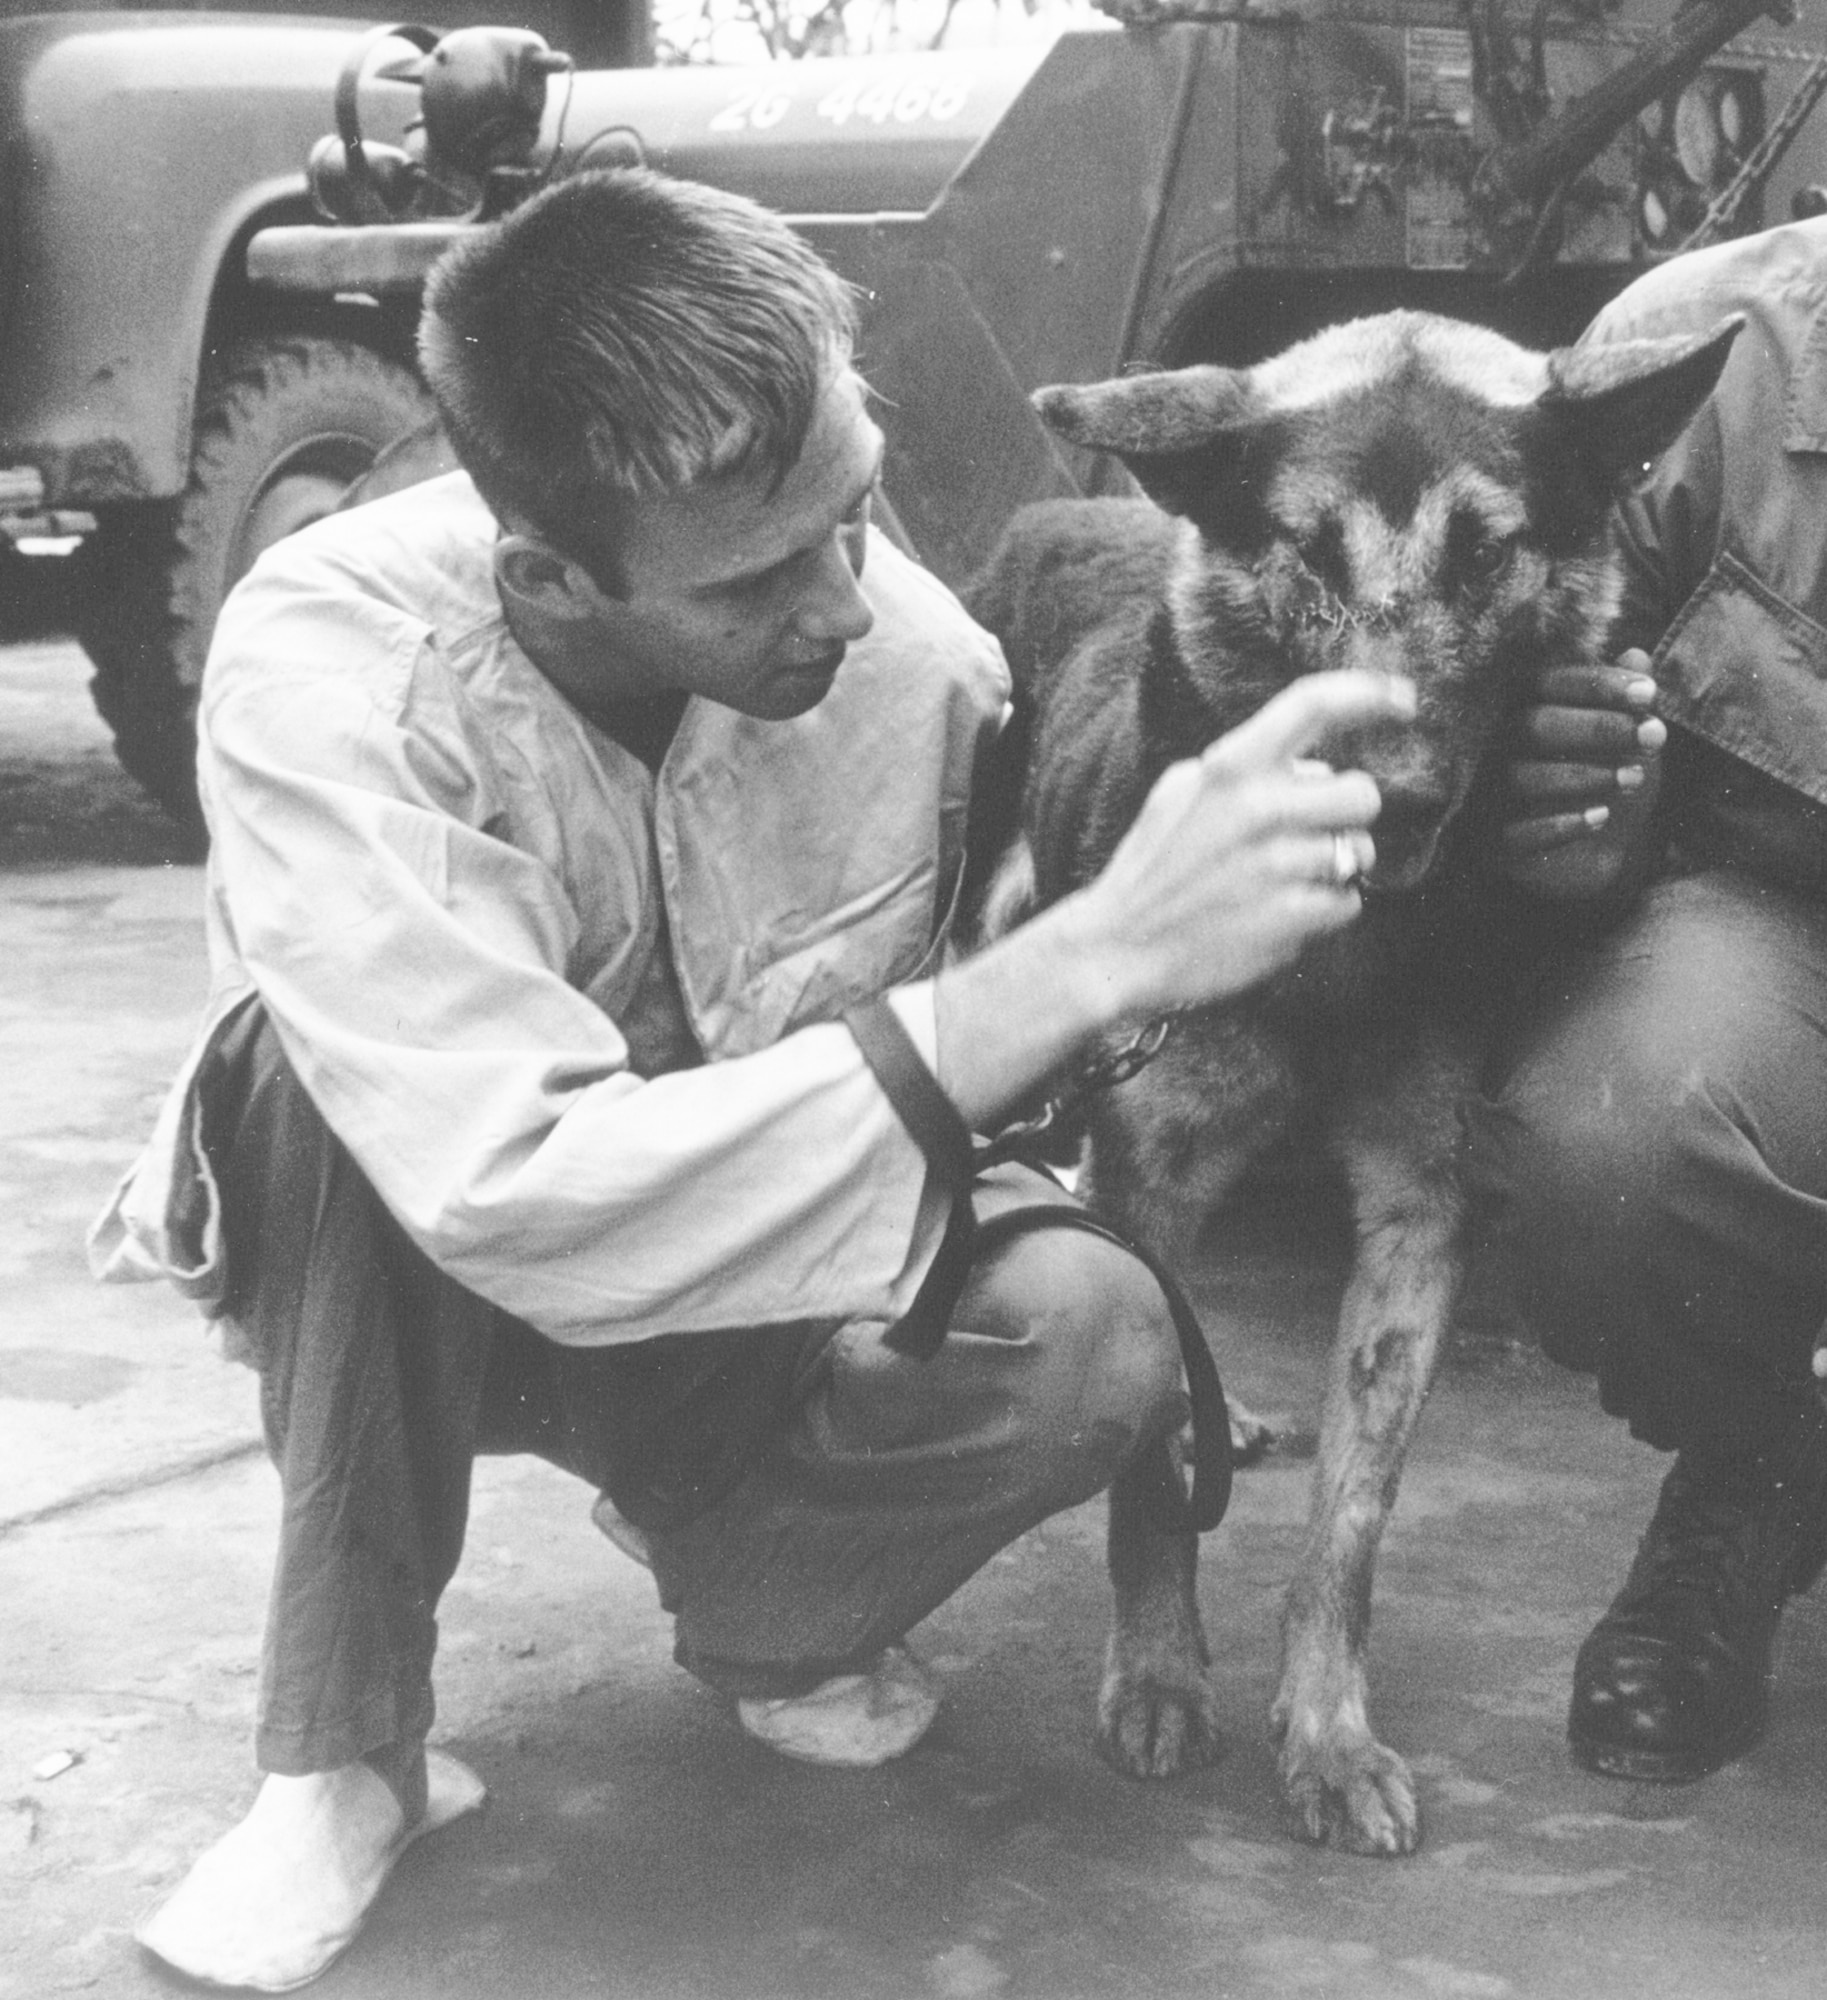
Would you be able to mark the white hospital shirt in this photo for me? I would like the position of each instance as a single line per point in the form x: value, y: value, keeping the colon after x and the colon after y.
x: 573, y: 1021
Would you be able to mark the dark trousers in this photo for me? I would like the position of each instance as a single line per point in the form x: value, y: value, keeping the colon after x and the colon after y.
x: 809, y: 1495
x: 1650, y: 1164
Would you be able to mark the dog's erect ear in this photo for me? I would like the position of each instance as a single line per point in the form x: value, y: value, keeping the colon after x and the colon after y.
x: 1181, y: 431
x: 1624, y: 402
x: 1152, y: 416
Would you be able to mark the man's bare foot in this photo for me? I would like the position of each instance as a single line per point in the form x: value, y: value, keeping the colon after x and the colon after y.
x: 278, y: 1897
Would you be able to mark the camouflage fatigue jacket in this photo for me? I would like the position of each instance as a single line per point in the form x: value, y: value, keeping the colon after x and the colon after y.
x: 1725, y: 547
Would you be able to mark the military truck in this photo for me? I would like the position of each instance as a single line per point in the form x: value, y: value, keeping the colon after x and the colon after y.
x: 1199, y: 179
x: 151, y: 402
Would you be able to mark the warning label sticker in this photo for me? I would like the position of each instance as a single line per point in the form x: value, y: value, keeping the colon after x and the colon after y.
x: 1439, y: 77
x: 1439, y: 117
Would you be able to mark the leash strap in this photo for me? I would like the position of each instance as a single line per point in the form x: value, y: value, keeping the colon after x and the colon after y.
x: 933, y: 1123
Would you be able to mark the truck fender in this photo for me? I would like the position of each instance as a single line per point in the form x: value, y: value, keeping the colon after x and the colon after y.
x: 99, y: 401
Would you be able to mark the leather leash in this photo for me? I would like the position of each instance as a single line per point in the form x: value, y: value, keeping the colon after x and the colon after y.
x: 933, y: 1123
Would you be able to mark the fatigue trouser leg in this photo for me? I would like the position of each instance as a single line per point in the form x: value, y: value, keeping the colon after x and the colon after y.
x: 836, y: 1492
x: 381, y: 1379
x: 1653, y: 1166
x: 894, y: 1480
x: 1657, y: 1160
x: 371, y: 1378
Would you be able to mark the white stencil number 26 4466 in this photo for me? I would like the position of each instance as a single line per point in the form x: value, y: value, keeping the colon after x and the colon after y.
x: 884, y: 102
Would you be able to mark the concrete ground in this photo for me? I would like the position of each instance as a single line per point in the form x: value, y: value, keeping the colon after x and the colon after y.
x: 636, y: 1847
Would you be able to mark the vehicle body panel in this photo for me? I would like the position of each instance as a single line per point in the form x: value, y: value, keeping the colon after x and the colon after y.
x: 139, y: 150
x: 1189, y: 188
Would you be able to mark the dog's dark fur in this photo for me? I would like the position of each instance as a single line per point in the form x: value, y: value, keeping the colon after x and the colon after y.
x: 1405, y: 494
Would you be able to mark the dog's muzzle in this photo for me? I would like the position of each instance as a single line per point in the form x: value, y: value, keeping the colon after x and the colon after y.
x: 1408, y: 832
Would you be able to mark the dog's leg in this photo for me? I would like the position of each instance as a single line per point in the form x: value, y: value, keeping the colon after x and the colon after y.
x: 1157, y: 1713
x: 1157, y: 1710
x: 1342, y: 1784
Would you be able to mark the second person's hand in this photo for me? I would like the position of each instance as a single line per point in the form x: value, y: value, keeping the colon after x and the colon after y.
x: 1584, y: 778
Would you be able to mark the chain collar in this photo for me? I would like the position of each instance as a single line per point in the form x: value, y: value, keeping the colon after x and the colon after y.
x: 1111, y: 1066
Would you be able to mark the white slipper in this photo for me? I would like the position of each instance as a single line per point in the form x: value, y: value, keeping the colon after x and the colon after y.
x: 232, y: 1923
x: 853, y: 1721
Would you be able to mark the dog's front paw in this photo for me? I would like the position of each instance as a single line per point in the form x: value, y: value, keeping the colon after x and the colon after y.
x: 1156, y: 1716
x: 1344, y: 1789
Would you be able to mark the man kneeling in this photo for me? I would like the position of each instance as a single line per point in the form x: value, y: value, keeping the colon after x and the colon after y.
x: 560, y: 810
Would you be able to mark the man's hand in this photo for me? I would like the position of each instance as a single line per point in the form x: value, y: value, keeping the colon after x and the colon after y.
x: 1585, y: 780
x: 1231, y: 866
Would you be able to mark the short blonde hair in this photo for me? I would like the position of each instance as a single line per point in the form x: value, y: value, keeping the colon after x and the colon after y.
x: 623, y: 333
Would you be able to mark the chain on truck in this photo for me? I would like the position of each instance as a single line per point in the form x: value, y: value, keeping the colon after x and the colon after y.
x: 207, y: 331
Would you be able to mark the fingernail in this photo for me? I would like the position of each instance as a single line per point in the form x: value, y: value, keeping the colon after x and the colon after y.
x: 1630, y: 778
x: 1820, y: 1361
x: 1653, y: 733
x: 1596, y: 816
x: 1640, y: 693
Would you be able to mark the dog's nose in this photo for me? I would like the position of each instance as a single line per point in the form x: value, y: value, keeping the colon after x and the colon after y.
x: 1398, y: 754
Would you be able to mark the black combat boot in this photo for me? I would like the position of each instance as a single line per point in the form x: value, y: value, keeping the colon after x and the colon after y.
x: 1674, y: 1680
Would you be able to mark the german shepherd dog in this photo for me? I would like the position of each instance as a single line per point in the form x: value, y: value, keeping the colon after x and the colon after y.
x: 1415, y: 496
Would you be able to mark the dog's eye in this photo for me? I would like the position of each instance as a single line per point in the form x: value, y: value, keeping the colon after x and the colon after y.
x: 1474, y: 554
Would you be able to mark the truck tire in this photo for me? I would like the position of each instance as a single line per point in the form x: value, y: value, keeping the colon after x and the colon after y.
x: 284, y: 425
